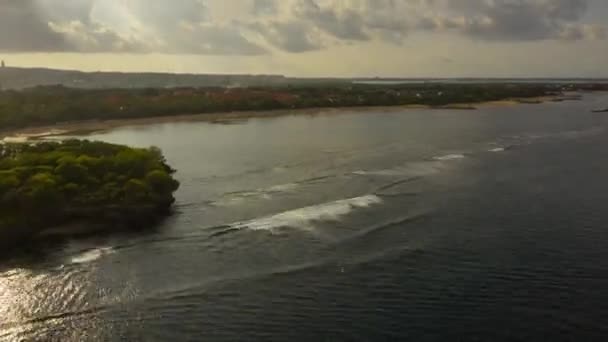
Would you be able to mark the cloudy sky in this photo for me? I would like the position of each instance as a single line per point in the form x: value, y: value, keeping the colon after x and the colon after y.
x: 410, y: 38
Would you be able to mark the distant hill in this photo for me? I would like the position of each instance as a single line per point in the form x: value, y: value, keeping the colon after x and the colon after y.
x: 19, y: 78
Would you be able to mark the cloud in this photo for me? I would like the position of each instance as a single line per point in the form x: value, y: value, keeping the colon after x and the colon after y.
x: 214, y: 40
x: 579, y: 32
x: 323, y: 23
x: 291, y: 36
x: 27, y: 27
x: 94, y: 37
x: 341, y: 23
x: 254, y: 27
x: 135, y: 26
x: 514, y: 20
x: 264, y: 7
x: 25, y: 30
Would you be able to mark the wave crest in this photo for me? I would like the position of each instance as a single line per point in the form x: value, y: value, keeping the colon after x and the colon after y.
x: 453, y: 156
x: 91, y: 255
x: 304, y: 218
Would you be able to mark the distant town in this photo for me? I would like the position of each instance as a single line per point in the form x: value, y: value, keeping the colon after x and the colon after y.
x: 20, y: 78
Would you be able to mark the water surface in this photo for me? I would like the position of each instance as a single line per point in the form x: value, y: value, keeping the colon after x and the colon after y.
x: 346, y: 225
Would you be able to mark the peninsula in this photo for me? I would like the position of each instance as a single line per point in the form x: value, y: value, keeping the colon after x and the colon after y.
x: 56, y: 105
x: 49, y: 185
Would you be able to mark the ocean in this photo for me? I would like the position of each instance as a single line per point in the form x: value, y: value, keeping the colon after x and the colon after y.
x: 346, y: 225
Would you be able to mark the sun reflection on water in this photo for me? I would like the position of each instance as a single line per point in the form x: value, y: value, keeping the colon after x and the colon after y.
x: 30, y: 299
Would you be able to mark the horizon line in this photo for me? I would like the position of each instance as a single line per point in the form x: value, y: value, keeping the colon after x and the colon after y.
x: 366, y: 78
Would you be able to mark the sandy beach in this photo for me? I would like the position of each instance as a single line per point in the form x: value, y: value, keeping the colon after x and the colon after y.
x: 90, y: 126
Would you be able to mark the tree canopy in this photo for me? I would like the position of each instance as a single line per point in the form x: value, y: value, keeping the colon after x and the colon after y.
x: 55, y: 104
x: 50, y: 183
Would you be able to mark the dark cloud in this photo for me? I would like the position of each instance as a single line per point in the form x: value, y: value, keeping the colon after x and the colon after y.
x: 216, y: 40
x: 189, y: 26
x: 184, y: 27
x: 70, y: 10
x: 264, y: 7
x: 291, y: 36
x: 24, y: 30
x: 165, y: 14
x: 345, y: 24
x: 26, y: 27
x: 94, y: 37
x: 570, y: 10
x: 78, y: 26
x: 519, y: 19
x: 393, y: 20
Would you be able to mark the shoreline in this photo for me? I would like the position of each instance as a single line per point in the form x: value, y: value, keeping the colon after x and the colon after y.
x: 91, y: 126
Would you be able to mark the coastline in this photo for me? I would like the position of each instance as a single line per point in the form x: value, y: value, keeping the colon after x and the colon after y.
x: 91, y: 126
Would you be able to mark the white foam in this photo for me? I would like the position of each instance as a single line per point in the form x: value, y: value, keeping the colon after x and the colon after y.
x: 385, y: 172
x: 15, y: 140
x: 235, y: 198
x: 415, y: 169
x: 91, y: 255
x: 453, y: 156
x: 497, y: 149
x: 304, y: 218
x: 282, y: 188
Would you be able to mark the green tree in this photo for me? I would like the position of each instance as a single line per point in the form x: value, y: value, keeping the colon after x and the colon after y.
x: 136, y: 191
x: 161, y: 183
x: 70, y: 170
x: 50, y: 183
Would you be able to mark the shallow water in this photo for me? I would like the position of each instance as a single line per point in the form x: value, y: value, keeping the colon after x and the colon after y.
x: 379, y: 225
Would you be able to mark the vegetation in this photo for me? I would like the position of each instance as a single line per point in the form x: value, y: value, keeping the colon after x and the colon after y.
x: 51, y: 183
x: 56, y: 104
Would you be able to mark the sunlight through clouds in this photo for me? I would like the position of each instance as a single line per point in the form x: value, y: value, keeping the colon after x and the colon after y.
x: 273, y: 32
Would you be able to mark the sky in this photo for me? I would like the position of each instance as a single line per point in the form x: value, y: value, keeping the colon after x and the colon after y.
x: 310, y: 38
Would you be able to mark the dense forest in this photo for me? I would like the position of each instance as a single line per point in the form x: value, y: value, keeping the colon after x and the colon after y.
x: 57, y: 104
x: 52, y: 183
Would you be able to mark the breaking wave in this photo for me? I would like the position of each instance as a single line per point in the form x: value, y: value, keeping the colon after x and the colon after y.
x: 304, y: 218
x: 91, y: 255
x: 453, y: 156
x: 415, y: 169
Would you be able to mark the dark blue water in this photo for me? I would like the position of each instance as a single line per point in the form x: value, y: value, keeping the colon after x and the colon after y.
x: 345, y: 226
